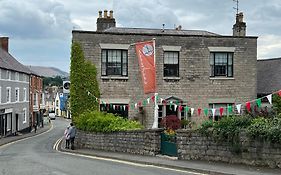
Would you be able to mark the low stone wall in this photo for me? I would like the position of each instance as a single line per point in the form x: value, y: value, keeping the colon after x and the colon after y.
x: 191, y: 145
x: 144, y: 142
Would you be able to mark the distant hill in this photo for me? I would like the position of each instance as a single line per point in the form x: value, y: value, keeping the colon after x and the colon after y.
x: 48, y: 71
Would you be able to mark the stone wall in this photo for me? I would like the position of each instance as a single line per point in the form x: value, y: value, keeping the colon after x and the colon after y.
x: 143, y: 142
x: 192, y: 145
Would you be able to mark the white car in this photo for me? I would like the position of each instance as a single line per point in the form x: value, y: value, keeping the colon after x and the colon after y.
x: 52, y: 116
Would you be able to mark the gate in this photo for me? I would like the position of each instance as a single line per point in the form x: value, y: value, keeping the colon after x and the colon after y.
x: 168, y: 145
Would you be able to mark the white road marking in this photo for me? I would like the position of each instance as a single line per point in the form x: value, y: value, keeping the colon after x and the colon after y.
x: 122, y: 161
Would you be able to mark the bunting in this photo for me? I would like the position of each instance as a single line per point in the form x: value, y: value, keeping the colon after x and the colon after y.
x: 174, y: 105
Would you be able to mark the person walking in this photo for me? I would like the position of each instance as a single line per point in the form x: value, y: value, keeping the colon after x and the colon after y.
x: 67, y: 137
x: 72, y: 133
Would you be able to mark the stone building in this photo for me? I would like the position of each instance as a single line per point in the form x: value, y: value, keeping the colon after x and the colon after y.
x: 14, y: 92
x: 194, y: 68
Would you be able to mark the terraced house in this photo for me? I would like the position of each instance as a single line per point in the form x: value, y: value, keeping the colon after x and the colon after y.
x: 194, y: 68
x: 14, y: 92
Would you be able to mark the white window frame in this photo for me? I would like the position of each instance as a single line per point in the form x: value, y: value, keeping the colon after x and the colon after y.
x: 8, y: 75
x: 16, y: 76
x: 8, y: 94
x: 17, y: 94
x: 24, y: 94
x: 24, y: 115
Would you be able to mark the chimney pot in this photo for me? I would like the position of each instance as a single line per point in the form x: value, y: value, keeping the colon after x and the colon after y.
x: 111, y: 14
x: 105, y: 14
x: 100, y: 14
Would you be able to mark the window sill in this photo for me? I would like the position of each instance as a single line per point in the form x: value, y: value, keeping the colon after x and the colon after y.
x: 113, y: 78
x: 222, y: 78
x: 171, y: 78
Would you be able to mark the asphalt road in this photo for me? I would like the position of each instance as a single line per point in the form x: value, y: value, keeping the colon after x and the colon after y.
x: 36, y: 156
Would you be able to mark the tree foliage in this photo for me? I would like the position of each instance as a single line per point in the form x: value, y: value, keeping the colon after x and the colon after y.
x: 52, y: 81
x: 84, y: 88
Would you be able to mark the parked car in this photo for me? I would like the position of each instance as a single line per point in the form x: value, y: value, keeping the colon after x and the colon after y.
x: 52, y: 116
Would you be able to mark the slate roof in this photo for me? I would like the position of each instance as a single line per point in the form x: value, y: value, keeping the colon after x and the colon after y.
x: 268, y: 75
x: 7, y: 61
x: 122, y: 30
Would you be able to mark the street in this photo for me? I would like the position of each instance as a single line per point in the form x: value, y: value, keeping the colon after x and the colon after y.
x: 36, y: 155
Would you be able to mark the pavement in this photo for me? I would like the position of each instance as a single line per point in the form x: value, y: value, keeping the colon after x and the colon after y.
x: 199, y: 167
x: 20, y: 136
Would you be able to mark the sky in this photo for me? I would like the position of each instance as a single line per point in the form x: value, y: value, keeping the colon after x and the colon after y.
x: 39, y: 31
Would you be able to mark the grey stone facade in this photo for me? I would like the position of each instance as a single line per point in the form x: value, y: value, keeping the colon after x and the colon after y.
x: 194, y: 86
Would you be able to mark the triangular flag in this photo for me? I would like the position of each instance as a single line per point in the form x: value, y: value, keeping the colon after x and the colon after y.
x: 171, y: 102
x: 199, y: 111
x: 248, y: 106
x: 269, y: 98
x: 175, y: 107
x: 258, y: 101
x: 186, y: 109
x: 229, y: 109
x: 279, y: 93
x: 144, y: 102
x: 238, y: 108
x: 214, y: 112
x: 191, y: 111
x: 114, y: 107
x: 221, y: 111
x: 148, y: 99
x: 180, y: 108
x: 136, y: 105
x: 128, y: 107
x: 177, y: 102
x: 153, y: 98
x: 161, y: 100
x: 206, y: 111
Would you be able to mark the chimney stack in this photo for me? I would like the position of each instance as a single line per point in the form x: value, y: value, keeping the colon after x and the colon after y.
x: 4, y: 43
x: 106, y: 21
x: 239, y: 28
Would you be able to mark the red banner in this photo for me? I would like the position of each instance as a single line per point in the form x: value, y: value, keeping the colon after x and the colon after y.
x: 145, y: 54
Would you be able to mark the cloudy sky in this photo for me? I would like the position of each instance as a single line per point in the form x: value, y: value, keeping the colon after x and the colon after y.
x: 40, y: 30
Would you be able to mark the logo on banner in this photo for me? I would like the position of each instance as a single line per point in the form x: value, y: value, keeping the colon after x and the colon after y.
x: 147, y: 50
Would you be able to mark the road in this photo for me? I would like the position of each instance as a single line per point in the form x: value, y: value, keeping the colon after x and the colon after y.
x: 36, y: 156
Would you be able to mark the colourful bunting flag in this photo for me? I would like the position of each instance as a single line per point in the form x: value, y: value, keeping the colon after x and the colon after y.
x: 214, y: 112
x: 191, y: 111
x: 199, y: 111
x: 258, y: 101
x: 221, y: 111
x: 238, y: 108
x: 279, y: 93
x: 269, y: 98
x: 248, y: 106
x: 206, y: 111
x: 230, y: 109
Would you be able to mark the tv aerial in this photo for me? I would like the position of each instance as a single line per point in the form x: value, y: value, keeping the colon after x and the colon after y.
x: 237, y: 6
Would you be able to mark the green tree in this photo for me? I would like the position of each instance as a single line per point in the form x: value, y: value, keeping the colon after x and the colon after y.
x: 50, y: 81
x: 84, y: 88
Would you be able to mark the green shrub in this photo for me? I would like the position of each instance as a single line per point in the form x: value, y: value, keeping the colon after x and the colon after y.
x: 258, y: 128
x: 95, y: 121
x: 266, y: 129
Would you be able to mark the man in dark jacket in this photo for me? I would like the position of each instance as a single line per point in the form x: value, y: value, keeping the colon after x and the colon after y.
x: 72, y: 133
